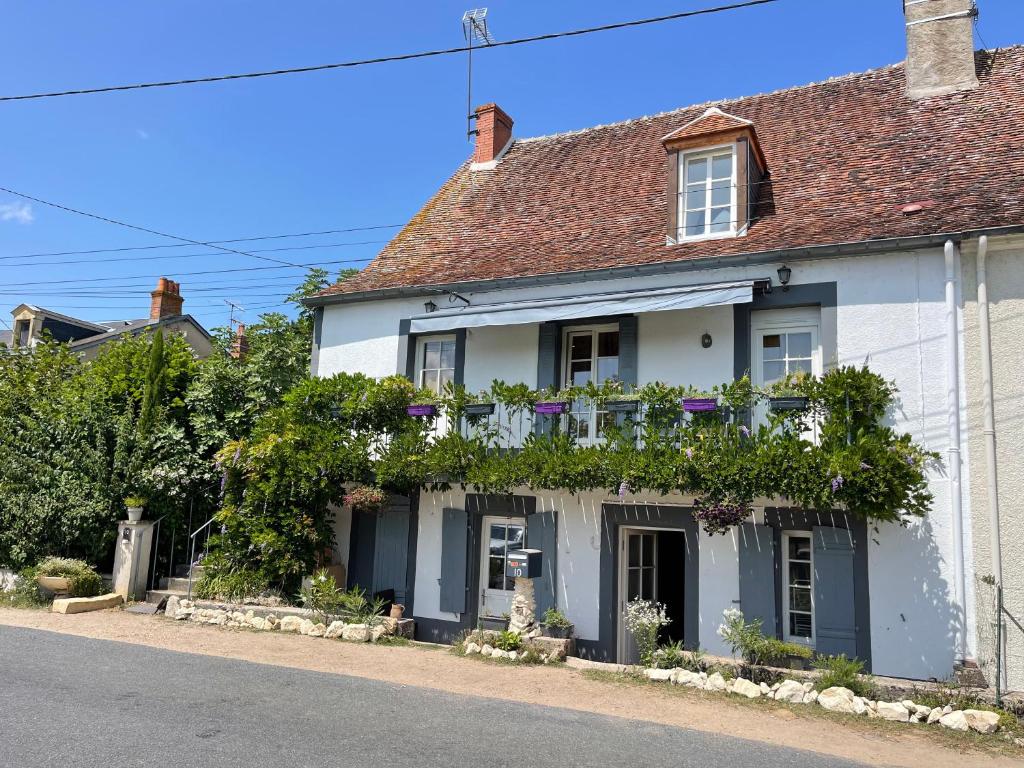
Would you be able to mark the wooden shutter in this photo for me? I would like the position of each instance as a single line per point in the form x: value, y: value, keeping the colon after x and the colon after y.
x: 628, y: 351
x: 757, y: 576
x: 549, y: 351
x: 835, y: 625
x: 542, y: 534
x: 454, y: 560
x: 390, y: 565
x: 742, y: 212
x: 672, y: 195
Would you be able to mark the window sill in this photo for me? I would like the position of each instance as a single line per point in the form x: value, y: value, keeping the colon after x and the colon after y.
x: 701, y: 238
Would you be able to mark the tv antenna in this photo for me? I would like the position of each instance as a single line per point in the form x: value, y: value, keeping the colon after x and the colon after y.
x: 474, y: 29
x: 231, y: 312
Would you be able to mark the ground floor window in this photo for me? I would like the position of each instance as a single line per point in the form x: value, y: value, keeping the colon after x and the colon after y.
x: 798, y: 587
x: 501, y: 535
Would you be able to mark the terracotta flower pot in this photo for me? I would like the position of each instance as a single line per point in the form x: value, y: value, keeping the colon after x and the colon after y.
x: 397, y: 610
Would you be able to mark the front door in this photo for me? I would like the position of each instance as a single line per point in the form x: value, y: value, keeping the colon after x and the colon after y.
x: 391, y: 556
x: 638, y: 580
x: 501, y: 535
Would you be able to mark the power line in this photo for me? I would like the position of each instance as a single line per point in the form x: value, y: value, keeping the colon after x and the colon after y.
x: 385, y: 59
x: 185, y: 245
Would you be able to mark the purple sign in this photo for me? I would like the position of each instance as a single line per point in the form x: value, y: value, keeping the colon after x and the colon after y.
x: 550, y: 407
x: 421, y: 410
x: 692, y: 404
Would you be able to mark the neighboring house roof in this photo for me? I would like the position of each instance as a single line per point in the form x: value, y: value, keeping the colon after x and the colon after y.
x: 134, y: 328
x: 86, y: 324
x: 844, y: 156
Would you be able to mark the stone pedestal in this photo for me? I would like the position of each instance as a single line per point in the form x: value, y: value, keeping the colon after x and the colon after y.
x: 131, y: 559
x: 523, y: 615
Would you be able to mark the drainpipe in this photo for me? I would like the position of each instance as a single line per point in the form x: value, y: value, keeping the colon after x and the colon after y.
x: 953, y: 419
x: 991, y: 472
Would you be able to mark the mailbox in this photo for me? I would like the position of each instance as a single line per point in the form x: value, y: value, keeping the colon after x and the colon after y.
x: 523, y: 564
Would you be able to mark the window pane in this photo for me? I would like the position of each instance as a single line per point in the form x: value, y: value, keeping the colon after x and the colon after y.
x: 799, y: 599
x: 497, y: 540
x: 432, y: 354
x: 799, y: 344
x: 496, y: 573
x: 633, y: 589
x: 773, y: 370
x: 634, y: 550
x: 696, y: 170
x: 648, y: 550
x: 444, y: 376
x: 799, y: 365
x: 608, y: 344
x: 647, y: 583
x: 799, y: 548
x: 605, y: 421
x: 800, y: 574
x: 800, y: 625
x: 720, y: 219
x: 429, y: 380
x: 607, y: 368
x: 721, y: 193
x: 515, y: 536
x: 694, y: 223
x: 721, y: 166
x: 696, y: 198
x: 579, y: 372
x: 447, y: 354
x: 774, y: 346
x: 582, y: 346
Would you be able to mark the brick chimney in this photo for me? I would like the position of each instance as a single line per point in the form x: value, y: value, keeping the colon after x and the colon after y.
x: 493, y: 134
x: 240, y: 346
x: 940, y: 47
x: 166, y: 301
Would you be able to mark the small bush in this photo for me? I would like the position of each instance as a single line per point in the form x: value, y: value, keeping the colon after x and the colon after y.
x: 508, y: 641
x: 644, y: 619
x: 555, y: 618
x: 83, y: 581
x: 675, y: 656
x: 26, y: 592
x: 531, y: 655
x: 231, y: 587
x: 755, y: 648
x: 845, y: 673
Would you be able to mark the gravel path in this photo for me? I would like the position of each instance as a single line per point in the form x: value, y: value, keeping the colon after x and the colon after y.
x: 490, y: 685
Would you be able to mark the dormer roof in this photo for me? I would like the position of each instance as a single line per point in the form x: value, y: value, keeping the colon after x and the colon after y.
x: 714, y: 127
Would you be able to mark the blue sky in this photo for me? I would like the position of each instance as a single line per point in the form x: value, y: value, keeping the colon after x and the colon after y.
x: 339, y: 149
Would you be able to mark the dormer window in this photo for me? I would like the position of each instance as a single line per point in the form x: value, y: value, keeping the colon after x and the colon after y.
x: 715, y: 167
x: 707, y: 196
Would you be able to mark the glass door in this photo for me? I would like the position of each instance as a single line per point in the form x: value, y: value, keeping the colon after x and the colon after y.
x: 784, y: 342
x: 638, y: 580
x: 501, y: 535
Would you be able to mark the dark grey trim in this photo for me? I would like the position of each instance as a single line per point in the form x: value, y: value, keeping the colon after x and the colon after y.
x: 615, y: 516
x: 410, y: 558
x: 407, y: 351
x: 786, y: 519
x: 362, y: 549
x: 803, y: 253
x: 460, y: 357
x: 822, y: 295
x: 318, y: 328
x: 439, y: 630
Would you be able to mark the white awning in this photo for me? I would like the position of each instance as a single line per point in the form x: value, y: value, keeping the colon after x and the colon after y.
x: 593, y: 305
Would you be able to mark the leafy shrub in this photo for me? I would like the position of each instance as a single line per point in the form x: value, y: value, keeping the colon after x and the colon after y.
x: 356, y: 608
x: 83, y: 581
x: 555, y: 618
x: 530, y: 655
x: 675, y: 656
x: 644, y: 619
x: 232, y: 587
x: 755, y: 648
x: 845, y: 673
x: 25, y: 593
x: 508, y: 640
x: 322, y: 596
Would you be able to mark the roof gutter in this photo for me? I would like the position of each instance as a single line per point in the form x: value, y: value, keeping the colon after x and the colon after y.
x: 804, y: 253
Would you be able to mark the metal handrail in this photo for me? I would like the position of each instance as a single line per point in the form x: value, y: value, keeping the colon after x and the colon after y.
x: 192, y: 552
x: 155, y: 551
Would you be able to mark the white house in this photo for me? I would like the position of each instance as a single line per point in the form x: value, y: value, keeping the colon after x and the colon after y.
x: 796, y: 230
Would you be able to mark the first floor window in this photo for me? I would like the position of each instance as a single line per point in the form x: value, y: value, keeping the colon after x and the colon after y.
x: 592, y: 355
x: 436, y: 363
x: 798, y: 583
x: 706, y: 193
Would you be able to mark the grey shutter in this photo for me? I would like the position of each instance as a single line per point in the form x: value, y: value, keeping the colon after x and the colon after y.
x: 741, y: 214
x: 549, y: 350
x: 757, y: 576
x: 672, y: 195
x: 628, y: 351
x: 835, y: 625
x: 542, y: 534
x: 390, y: 564
x: 454, y: 540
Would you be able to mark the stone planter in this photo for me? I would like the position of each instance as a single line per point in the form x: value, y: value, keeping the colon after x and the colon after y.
x: 134, y: 514
x: 559, y: 632
x: 56, y: 584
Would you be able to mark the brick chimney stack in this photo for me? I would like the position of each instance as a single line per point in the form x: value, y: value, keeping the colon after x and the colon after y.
x: 166, y: 300
x: 940, y: 47
x: 240, y: 346
x: 493, y: 133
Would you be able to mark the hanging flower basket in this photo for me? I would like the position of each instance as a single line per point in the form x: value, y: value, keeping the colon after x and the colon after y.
x: 480, y: 409
x: 367, y: 498
x: 622, y: 406
x: 423, y: 409
x: 700, y: 404
x: 718, y: 517
x: 551, y: 407
x: 794, y: 403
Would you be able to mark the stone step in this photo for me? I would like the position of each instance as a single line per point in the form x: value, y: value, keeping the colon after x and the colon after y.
x: 157, y: 595
x: 177, y: 584
x: 181, y: 571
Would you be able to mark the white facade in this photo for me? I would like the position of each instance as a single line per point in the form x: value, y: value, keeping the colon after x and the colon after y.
x: 889, y: 314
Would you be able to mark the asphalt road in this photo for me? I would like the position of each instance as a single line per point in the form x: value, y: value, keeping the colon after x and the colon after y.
x: 72, y: 701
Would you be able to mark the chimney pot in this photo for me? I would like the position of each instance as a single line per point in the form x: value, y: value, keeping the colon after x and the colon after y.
x: 493, y: 134
x: 166, y: 300
x: 940, y: 47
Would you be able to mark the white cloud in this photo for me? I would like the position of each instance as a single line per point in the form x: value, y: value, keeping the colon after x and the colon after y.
x: 19, y: 212
x: 141, y: 133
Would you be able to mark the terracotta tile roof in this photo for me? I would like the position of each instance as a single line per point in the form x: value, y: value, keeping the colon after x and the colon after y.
x: 844, y: 155
x: 711, y: 121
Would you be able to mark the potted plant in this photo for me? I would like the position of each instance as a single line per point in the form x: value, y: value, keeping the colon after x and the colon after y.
x: 134, y: 505
x: 64, y: 576
x: 622, y: 404
x: 421, y: 409
x: 719, y: 516
x: 366, y: 498
x: 480, y: 405
x: 556, y: 624
x: 700, y: 404
x: 551, y: 407
x: 786, y: 394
